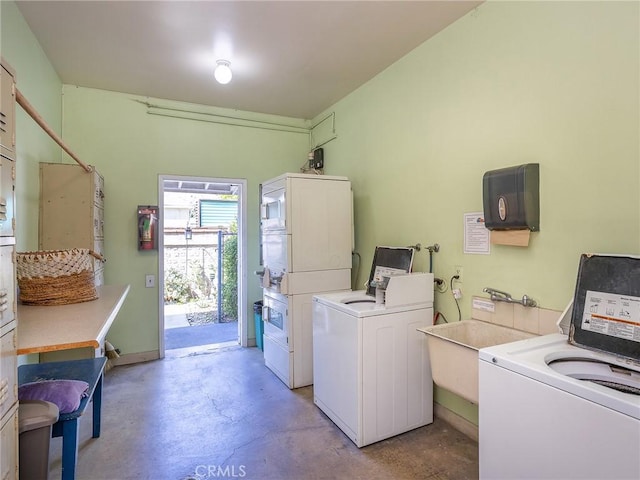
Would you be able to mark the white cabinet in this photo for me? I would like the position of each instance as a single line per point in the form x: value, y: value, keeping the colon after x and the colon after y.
x: 8, y: 306
x: 8, y: 368
x: 7, y: 111
x: 7, y: 153
x: 72, y: 210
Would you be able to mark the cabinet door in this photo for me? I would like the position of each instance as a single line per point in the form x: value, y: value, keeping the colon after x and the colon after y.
x: 7, y: 285
x: 9, y: 442
x: 7, y: 181
x: 8, y: 371
x: 7, y: 113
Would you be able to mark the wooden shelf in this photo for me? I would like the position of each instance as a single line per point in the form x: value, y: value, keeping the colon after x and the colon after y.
x: 64, y: 327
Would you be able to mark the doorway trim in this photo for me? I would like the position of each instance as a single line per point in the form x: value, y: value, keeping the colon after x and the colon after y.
x: 242, y: 253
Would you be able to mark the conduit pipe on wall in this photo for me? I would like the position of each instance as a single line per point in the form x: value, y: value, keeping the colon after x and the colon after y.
x: 238, y: 121
x: 27, y: 107
x: 222, y: 119
x: 316, y: 144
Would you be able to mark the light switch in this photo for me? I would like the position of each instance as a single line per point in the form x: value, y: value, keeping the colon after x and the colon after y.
x: 150, y: 281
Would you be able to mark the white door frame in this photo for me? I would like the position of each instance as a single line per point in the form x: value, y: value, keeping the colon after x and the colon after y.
x: 242, y: 253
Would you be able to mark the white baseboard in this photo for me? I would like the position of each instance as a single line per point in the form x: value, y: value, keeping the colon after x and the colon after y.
x: 135, y: 358
x: 461, y: 424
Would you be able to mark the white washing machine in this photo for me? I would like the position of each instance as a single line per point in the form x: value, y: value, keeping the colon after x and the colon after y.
x: 539, y: 420
x: 567, y: 405
x: 371, y: 374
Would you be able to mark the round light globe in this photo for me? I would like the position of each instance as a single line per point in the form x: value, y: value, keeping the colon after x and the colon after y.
x: 223, y: 72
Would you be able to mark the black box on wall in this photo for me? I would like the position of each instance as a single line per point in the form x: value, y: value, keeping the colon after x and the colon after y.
x: 511, y: 198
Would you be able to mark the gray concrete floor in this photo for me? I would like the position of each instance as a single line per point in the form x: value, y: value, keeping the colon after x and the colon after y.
x: 222, y: 414
x: 179, y: 334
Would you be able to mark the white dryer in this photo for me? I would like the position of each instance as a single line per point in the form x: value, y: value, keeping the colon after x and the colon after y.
x: 372, y: 375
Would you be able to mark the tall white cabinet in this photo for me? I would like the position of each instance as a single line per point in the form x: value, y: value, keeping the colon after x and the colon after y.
x: 306, y: 244
x: 8, y: 305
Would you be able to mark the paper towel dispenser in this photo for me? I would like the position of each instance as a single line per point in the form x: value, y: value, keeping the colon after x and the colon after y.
x: 511, y: 198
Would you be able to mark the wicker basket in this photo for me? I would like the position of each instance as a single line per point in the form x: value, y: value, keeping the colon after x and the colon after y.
x: 56, y: 277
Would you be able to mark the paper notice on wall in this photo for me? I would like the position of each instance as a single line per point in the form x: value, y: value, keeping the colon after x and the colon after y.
x: 613, y: 315
x: 476, y: 236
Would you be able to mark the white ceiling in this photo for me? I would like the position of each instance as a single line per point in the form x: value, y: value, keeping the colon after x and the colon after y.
x: 291, y: 58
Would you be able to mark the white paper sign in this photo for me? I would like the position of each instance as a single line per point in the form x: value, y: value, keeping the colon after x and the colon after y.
x: 613, y: 315
x: 484, y: 305
x: 476, y: 236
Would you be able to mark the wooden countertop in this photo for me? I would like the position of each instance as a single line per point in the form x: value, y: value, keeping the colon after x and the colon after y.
x: 63, y: 327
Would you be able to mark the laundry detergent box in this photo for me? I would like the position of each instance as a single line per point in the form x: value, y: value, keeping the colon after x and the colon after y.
x: 606, y: 305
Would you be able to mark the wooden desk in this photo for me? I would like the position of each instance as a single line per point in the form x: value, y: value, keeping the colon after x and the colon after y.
x: 65, y: 327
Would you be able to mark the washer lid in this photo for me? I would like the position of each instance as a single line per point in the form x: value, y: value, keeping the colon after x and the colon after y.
x: 389, y: 261
x: 359, y: 304
x: 606, y: 305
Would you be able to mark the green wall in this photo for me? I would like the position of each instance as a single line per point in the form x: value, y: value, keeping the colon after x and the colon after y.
x: 40, y: 85
x: 510, y: 83
x: 130, y: 148
x: 555, y: 83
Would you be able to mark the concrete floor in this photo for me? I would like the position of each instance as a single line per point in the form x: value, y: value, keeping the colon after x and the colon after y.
x: 180, y: 334
x: 200, y: 335
x: 222, y: 414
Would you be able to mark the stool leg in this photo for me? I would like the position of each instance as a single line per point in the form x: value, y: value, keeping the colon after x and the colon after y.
x: 69, y: 448
x: 97, y: 407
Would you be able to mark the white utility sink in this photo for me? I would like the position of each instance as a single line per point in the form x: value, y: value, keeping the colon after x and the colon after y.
x: 453, y: 351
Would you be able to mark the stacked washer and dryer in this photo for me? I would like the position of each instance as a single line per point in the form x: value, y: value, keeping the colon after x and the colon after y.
x: 306, y: 242
x: 567, y: 405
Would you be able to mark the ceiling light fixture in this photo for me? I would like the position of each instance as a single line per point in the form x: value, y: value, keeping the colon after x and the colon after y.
x: 223, y: 72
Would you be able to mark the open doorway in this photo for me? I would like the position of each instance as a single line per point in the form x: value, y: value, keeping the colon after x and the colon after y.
x: 202, y: 274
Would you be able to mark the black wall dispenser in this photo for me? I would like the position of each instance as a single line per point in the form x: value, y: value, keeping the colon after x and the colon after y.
x: 511, y: 198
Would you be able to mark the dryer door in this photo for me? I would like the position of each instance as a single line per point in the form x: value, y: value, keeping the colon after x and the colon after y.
x: 276, y: 323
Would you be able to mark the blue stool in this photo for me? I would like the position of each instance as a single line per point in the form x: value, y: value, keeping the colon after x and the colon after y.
x: 89, y: 370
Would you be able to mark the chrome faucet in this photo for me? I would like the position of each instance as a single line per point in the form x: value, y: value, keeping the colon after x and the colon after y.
x: 500, y: 296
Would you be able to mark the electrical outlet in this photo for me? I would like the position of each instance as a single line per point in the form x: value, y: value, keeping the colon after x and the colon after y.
x: 458, y: 272
x: 150, y: 281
